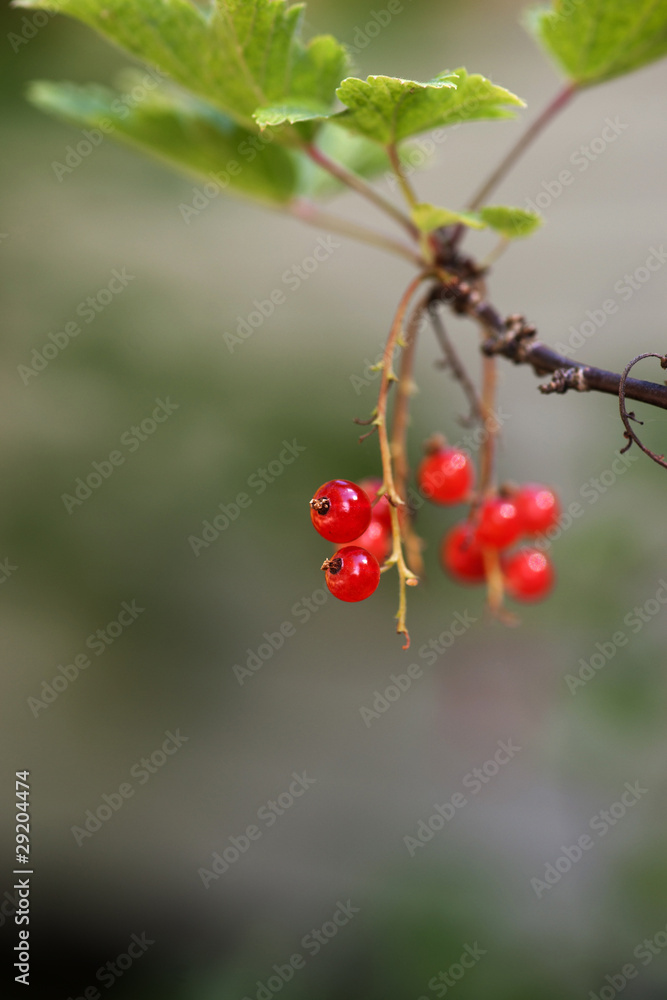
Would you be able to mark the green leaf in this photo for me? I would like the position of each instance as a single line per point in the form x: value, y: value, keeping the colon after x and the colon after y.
x: 288, y: 113
x: 596, y: 40
x: 185, y: 132
x: 239, y: 55
x: 387, y: 109
x: 429, y: 217
x: 510, y: 222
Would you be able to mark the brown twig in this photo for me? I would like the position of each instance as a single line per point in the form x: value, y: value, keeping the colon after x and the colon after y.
x: 455, y: 365
x: 514, y: 339
x: 626, y: 417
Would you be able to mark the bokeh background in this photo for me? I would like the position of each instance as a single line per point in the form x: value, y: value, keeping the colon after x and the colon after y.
x: 173, y: 668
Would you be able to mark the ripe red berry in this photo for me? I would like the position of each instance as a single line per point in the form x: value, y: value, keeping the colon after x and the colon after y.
x: 499, y: 523
x: 529, y: 575
x: 352, y: 573
x: 446, y: 475
x: 381, y: 509
x: 461, y: 555
x: 340, y: 511
x: 376, y: 539
x: 538, y: 508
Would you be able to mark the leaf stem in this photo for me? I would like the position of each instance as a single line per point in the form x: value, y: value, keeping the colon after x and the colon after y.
x: 308, y: 212
x: 560, y: 101
x: 397, y: 167
x: 362, y: 187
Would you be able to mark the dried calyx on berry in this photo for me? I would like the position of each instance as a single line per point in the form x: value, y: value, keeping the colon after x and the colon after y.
x: 352, y: 574
x: 340, y: 510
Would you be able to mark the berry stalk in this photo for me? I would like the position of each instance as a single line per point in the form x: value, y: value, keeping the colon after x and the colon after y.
x: 406, y: 577
x: 399, y: 432
x: 389, y: 376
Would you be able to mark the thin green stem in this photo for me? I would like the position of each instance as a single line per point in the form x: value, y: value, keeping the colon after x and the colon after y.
x: 397, y: 167
x: 388, y: 377
x: 405, y: 576
x: 362, y: 187
x: 399, y: 433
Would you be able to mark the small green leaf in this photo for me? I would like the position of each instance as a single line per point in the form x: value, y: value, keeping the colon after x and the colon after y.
x: 596, y: 40
x: 510, y: 222
x: 185, y: 132
x: 429, y: 217
x: 387, y: 109
x: 239, y: 55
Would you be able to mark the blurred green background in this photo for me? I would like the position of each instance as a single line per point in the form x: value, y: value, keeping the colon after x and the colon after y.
x: 162, y: 337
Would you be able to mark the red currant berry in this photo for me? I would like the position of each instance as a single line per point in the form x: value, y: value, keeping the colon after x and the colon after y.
x: 375, y: 539
x: 352, y: 573
x: 499, y: 523
x: 529, y: 575
x: 340, y: 511
x: 446, y: 475
x: 381, y: 509
x: 538, y: 508
x: 461, y: 555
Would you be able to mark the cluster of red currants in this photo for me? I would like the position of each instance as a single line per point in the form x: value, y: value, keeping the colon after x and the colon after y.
x: 343, y: 512
x: 351, y: 515
x: 446, y: 476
